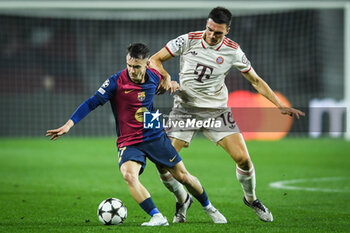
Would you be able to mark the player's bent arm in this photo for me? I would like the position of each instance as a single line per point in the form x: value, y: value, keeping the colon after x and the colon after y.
x: 156, y: 62
x: 261, y: 86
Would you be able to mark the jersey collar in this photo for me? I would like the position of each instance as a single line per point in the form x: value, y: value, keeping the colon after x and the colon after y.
x: 216, y: 47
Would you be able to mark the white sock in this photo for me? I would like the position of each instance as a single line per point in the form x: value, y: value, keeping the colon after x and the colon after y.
x: 247, y: 180
x: 174, y: 186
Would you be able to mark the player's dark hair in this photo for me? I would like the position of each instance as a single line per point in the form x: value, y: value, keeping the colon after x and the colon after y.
x: 138, y: 50
x: 221, y: 15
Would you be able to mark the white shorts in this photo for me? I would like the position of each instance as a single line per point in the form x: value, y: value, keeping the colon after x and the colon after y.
x: 216, y: 123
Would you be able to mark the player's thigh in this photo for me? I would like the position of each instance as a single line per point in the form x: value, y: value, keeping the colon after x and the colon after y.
x: 180, y: 135
x: 180, y: 139
x: 133, y: 154
x: 161, y: 152
x: 178, y: 144
x: 224, y: 125
x: 235, y: 146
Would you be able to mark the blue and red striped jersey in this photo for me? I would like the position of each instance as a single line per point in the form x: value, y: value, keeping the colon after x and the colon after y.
x: 128, y: 101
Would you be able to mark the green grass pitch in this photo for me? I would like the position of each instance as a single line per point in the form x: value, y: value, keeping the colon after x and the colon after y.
x: 56, y: 186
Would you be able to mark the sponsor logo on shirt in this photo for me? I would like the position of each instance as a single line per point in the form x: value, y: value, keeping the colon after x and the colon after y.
x: 128, y: 91
x: 139, y: 114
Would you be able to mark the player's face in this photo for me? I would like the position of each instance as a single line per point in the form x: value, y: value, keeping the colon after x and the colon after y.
x: 214, y: 33
x: 136, y: 68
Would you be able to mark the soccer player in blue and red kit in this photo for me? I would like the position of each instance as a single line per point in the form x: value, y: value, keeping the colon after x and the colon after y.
x: 131, y: 93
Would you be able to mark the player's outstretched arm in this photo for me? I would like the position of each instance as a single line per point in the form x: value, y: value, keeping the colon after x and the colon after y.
x: 56, y: 133
x: 82, y: 111
x: 263, y: 88
x: 156, y: 62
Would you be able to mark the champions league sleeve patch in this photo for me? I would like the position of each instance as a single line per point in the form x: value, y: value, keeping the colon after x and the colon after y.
x: 176, y: 44
x: 103, y: 87
x: 180, y: 41
x: 105, y: 84
x: 245, y: 60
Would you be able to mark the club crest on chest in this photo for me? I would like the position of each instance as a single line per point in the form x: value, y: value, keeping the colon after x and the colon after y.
x: 141, y: 96
x: 220, y: 60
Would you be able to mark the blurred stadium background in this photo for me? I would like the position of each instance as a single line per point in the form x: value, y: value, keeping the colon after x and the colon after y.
x: 55, y: 54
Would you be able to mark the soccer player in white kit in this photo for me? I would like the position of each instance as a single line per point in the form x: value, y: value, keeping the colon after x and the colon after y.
x: 206, y: 57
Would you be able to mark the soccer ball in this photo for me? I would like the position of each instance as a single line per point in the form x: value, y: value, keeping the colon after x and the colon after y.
x: 112, y: 211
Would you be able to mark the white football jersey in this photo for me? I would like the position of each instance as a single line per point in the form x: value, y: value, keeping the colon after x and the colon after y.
x: 203, y: 69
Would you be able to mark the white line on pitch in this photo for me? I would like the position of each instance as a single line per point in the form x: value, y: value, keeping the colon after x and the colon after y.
x: 287, y: 184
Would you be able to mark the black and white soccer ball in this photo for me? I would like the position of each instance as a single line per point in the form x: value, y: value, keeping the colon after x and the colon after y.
x: 112, y: 211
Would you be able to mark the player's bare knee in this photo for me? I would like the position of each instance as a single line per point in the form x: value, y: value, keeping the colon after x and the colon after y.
x: 130, y: 178
x: 244, y: 163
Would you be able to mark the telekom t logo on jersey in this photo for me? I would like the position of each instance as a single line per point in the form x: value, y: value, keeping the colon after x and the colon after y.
x: 203, y: 72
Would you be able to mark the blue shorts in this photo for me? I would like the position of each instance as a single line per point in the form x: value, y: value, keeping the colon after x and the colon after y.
x: 159, y: 151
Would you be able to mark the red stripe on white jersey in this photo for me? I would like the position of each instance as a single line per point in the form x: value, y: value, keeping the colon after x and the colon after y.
x: 169, y: 51
x: 195, y: 33
x: 247, y: 70
x: 231, y: 42
x: 220, y: 45
x: 229, y: 45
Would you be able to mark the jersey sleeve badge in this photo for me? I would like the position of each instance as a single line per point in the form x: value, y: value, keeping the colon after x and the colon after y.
x: 180, y: 41
x: 176, y: 46
x: 245, y: 60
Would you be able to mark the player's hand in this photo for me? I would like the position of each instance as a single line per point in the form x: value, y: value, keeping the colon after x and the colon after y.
x: 56, y: 133
x: 164, y: 85
x: 292, y: 112
x: 174, y: 87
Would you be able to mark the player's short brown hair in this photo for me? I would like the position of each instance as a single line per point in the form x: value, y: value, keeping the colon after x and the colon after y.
x: 220, y: 15
x: 138, y: 50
